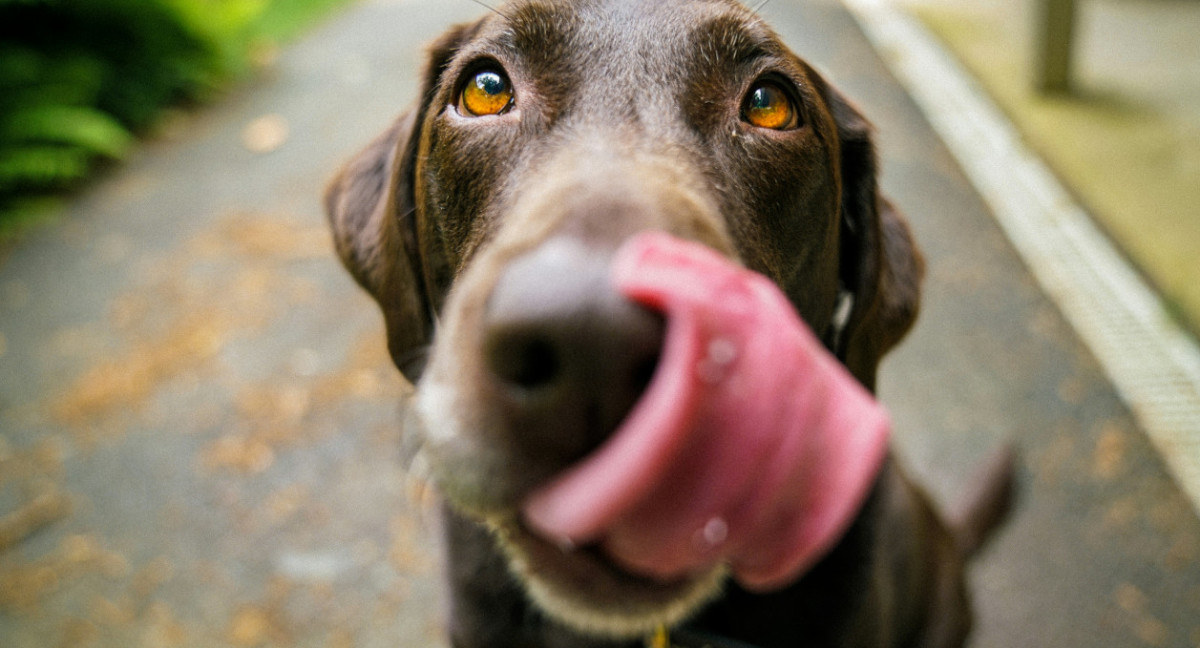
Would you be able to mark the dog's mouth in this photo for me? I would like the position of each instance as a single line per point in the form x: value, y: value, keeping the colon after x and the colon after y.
x: 748, y: 454
x: 584, y: 588
x: 752, y: 446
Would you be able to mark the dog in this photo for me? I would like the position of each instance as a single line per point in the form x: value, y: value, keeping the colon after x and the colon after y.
x: 485, y: 221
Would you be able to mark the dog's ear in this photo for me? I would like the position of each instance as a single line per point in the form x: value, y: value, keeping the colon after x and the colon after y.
x: 881, y: 267
x: 370, y: 206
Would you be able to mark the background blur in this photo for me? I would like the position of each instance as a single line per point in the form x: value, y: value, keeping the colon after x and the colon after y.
x: 198, y: 420
x: 1124, y: 135
x: 80, y: 80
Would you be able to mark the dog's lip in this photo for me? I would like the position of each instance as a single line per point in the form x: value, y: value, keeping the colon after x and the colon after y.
x: 749, y: 426
x: 583, y: 588
x: 589, y: 556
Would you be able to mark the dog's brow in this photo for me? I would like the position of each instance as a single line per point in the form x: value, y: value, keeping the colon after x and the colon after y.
x: 537, y: 27
x: 729, y: 39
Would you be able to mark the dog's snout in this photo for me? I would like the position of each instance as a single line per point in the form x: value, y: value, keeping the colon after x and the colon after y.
x: 568, y: 356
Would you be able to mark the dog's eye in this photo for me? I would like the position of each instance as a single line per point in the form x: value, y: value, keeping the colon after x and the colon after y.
x: 488, y: 92
x: 768, y: 106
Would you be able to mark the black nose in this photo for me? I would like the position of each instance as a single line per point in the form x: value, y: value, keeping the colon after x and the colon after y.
x: 568, y: 355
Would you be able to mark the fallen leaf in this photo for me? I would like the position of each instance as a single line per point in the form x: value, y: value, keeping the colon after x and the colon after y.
x: 1130, y: 598
x: 238, y: 452
x: 1108, y: 459
x: 250, y: 627
x: 265, y: 134
x: 43, y: 510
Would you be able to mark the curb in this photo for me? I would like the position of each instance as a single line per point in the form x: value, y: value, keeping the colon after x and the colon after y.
x: 1153, y: 364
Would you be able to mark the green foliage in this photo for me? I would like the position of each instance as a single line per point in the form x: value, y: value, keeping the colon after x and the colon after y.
x: 282, y: 20
x: 80, y: 78
x: 76, y: 127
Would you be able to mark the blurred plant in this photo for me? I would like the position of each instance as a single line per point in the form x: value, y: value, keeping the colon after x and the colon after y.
x: 78, y: 78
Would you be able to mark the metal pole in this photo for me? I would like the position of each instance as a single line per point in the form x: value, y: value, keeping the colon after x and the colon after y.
x: 1055, y: 32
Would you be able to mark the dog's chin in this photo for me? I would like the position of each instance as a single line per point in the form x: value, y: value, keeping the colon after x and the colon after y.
x: 584, y: 590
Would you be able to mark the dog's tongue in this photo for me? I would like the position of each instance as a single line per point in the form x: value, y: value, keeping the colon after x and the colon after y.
x: 752, y: 445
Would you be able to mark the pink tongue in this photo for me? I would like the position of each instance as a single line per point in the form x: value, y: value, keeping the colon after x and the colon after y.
x: 752, y: 445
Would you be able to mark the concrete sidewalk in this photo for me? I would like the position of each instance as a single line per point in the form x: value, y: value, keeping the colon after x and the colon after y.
x: 1127, y: 140
x: 199, y: 422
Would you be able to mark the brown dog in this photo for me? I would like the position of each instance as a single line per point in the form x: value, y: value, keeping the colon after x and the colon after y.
x: 484, y: 222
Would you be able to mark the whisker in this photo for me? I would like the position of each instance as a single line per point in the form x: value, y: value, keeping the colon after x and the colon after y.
x: 418, y: 475
x: 760, y: 6
x: 492, y: 9
x: 419, y: 490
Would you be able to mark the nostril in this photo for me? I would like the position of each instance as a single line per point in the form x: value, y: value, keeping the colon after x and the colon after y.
x: 643, y: 372
x: 565, y: 356
x: 525, y: 361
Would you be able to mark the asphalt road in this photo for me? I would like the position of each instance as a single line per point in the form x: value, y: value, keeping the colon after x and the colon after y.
x: 198, y: 421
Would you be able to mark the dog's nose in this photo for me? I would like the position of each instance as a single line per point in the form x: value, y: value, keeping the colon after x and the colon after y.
x: 567, y: 354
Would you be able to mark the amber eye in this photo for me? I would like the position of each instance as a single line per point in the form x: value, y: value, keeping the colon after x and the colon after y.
x: 488, y: 92
x: 768, y: 106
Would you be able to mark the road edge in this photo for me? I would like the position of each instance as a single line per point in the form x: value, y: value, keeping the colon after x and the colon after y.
x: 1151, y: 361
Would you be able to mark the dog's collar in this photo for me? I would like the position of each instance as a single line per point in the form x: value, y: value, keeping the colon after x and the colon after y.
x: 686, y: 638
x: 842, y: 309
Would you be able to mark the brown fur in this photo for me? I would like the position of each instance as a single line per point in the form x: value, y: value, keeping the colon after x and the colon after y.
x: 627, y: 118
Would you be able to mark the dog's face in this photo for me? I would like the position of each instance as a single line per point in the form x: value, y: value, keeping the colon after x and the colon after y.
x: 626, y: 117
x: 547, y: 134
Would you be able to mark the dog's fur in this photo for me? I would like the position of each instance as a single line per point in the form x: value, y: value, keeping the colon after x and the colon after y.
x: 628, y: 117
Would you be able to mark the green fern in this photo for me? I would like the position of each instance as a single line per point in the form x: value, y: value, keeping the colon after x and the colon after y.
x: 80, y: 78
x: 79, y: 127
x: 41, y: 167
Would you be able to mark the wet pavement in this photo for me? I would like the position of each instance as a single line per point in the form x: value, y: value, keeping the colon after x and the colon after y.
x: 198, y: 421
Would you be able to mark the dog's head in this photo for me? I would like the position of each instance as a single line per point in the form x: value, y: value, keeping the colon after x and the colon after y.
x: 484, y: 221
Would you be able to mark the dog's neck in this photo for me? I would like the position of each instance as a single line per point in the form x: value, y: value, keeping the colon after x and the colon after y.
x: 692, y: 639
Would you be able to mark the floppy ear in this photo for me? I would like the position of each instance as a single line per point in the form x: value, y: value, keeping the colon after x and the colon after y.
x: 370, y: 207
x: 881, y: 267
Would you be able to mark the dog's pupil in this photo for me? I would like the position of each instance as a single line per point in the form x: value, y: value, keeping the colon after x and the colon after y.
x: 488, y: 93
x: 762, y: 99
x: 490, y: 82
x: 767, y: 106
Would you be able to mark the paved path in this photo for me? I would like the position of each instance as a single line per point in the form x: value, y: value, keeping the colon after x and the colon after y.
x: 198, y: 421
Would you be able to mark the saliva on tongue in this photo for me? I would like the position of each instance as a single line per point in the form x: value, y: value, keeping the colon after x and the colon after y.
x: 752, y: 445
